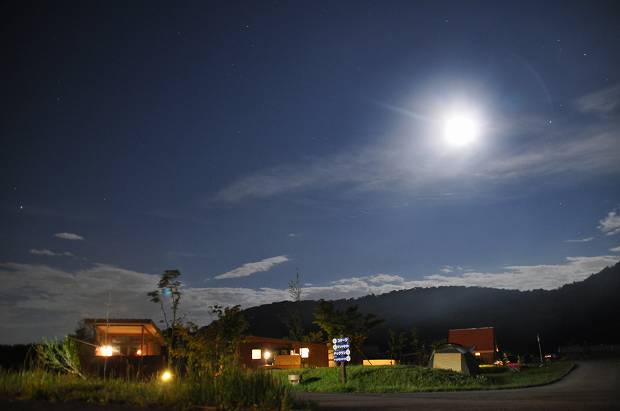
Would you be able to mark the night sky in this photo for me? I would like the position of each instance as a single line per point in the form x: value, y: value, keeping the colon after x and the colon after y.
x: 241, y: 142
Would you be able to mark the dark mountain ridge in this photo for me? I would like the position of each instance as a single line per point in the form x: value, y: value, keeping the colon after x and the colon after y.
x: 585, y: 312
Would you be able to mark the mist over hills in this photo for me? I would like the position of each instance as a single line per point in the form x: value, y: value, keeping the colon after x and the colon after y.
x: 585, y: 312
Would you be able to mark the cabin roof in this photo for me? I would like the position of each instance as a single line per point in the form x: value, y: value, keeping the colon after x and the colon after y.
x: 125, y: 326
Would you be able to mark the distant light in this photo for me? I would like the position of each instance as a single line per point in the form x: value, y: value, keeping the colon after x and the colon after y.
x: 256, y: 354
x: 105, y: 351
x: 305, y: 352
x: 166, y: 376
x: 477, y: 354
x: 139, y: 352
x: 267, y: 355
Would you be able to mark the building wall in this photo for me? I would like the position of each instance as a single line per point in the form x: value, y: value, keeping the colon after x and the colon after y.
x: 317, y: 355
x: 481, y: 339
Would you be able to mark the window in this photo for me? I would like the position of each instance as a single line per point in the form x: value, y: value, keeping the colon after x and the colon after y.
x: 256, y: 354
x: 305, y: 352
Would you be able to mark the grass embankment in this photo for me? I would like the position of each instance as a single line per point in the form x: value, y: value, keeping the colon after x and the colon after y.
x: 404, y: 378
x: 234, y: 390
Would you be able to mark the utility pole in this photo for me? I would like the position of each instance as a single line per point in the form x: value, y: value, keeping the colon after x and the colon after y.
x: 107, y: 325
x: 539, y: 349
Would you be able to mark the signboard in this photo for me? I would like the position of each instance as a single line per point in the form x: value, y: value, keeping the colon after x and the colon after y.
x: 342, y: 351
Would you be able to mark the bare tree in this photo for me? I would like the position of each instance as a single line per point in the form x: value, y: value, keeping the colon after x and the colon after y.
x: 294, y: 319
x: 294, y: 288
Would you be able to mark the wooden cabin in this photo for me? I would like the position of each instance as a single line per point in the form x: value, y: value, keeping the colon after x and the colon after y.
x: 126, y: 337
x: 262, y: 352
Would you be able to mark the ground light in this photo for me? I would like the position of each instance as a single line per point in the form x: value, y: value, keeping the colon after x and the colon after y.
x: 166, y: 376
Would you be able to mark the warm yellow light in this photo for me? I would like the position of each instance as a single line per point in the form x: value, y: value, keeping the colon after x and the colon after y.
x: 305, y: 352
x: 105, y: 351
x: 139, y: 352
x: 267, y: 355
x: 256, y: 354
x: 477, y: 354
x: 166, y: 376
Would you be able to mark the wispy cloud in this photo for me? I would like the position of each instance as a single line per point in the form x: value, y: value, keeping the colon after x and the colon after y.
x: 450, y: 268
x: 602, y: 102
x: 580, y: 240
x: 50, y: 253
x: 610, y: 225
x: 420, y: 168
x: 34, y: 298
x: 615, y: 249
x: 362, y: 168
x: 254, y: 267
x: 69, y: 236
x: 529, y: 277
x: 594, y: 150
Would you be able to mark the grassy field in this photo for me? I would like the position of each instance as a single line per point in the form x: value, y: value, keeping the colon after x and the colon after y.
x: 413, y: 379
x: 235, y: 390
x: 246, y: 390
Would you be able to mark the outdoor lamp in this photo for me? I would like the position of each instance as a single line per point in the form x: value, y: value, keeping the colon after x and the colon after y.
x: 166, y: 376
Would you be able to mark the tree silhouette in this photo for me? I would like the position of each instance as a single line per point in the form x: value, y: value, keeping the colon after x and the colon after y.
x: 169, y: 288
x: 348, y: 323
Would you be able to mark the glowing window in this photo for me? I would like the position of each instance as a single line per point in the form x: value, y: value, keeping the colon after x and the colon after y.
x: 256, y: 354
x: 106, y: 351
x: 305, y: 352
x: 477, y: 354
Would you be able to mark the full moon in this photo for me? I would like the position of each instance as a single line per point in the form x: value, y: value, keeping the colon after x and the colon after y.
x: 460, y: 130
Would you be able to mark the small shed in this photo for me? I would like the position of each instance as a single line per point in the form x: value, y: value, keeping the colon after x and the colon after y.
x: 454, y: 357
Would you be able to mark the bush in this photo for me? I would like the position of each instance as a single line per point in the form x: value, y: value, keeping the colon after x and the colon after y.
x: 60, y: 356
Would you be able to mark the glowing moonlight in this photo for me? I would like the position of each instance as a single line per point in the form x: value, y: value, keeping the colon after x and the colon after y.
x: 460, y: 130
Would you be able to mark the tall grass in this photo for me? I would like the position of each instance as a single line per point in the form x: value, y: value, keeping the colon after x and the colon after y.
x: 234, y: 389
x: 413, y: 379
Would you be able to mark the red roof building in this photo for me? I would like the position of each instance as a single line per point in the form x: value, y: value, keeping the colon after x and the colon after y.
x: 480, y: 340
